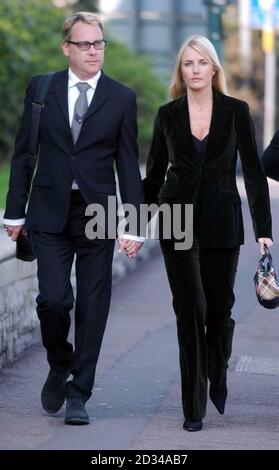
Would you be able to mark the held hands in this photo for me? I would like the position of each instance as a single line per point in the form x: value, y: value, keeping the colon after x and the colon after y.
x: 13, y: 231
x: 131, y: 247
x: 264, y: 241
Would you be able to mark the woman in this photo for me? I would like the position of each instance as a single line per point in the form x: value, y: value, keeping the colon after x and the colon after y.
x: 198, y: 135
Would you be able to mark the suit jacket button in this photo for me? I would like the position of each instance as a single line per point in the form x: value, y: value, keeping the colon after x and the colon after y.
x: 73, y: 157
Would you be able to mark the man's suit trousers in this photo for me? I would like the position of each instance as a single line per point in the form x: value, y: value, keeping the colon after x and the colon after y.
x: 55, y: 255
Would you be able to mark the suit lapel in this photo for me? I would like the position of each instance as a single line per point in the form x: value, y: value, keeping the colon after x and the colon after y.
x: 61, y: 91
x: 221, y: 112
x: 100, y: 95
x: 180, y: 116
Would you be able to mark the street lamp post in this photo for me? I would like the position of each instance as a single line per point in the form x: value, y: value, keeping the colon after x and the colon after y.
x: 245, y: 38
x: 268, y: 40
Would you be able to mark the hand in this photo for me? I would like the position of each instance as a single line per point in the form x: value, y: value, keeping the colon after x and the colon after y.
x: 131, y: 247
x: 13, y: 231
x: 264, y: 241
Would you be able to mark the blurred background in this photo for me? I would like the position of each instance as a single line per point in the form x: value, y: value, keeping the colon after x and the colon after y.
x: 144, y: 37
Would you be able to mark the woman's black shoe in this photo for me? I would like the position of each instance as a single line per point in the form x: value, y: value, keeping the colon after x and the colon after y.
x: 218, y: 397
x: 192, y: 425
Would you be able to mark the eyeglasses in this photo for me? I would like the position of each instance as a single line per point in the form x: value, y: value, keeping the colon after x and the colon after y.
x: 85, y: 45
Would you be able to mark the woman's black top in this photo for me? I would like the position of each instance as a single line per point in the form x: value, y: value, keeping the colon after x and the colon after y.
x: 200, y: 145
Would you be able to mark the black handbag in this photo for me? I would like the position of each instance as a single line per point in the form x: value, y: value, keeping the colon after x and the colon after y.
x: 266, y: 282
x: 24, y: 245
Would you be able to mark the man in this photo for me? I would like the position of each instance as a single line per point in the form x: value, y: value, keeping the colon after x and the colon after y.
x: 88, y: 124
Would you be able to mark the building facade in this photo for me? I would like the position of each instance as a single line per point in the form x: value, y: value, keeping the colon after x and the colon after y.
x: 156, y: 28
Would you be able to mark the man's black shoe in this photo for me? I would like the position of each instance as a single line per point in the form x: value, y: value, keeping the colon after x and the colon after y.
x: 76, y: 412
x: 54, y: 391
x: 218, y: 397
x: 192, y: 425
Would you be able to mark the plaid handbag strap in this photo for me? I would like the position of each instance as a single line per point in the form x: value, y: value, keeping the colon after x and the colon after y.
x: 266, y: 258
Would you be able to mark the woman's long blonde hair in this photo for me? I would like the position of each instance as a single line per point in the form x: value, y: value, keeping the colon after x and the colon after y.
x: 203, y: 46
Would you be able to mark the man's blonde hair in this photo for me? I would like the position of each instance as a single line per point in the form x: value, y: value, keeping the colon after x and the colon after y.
x: 84, y: 17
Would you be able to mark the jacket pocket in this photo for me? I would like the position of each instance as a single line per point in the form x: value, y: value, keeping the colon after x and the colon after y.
x: 229, y: 197
x: 42, y: 181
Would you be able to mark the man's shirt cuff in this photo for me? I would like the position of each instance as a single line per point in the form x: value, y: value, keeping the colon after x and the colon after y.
x: 13, y: 222
x: 133, y: 237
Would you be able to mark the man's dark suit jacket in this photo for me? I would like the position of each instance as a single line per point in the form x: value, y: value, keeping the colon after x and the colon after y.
x: 209, y: 183
x: 108, y: 137
x: 270, y: 158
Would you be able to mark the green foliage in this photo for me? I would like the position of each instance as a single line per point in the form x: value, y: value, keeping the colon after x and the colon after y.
x: 29, y: 38
x: 4, y: 180
x: 137, y: 73
x: 86, y: 5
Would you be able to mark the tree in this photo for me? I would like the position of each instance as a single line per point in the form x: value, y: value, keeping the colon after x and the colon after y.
x: 29, y: 37
x: 86, y: 5
x: 137, y: 73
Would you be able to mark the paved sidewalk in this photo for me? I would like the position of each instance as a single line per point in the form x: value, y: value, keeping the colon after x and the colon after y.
x: 136, y: 403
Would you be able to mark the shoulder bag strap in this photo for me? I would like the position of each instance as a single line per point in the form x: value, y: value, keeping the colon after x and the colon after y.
x: 37, y: 106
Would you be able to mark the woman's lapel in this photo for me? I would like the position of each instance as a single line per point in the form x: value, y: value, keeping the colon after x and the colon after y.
x: 180, y: 117
x: 221, y: 113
